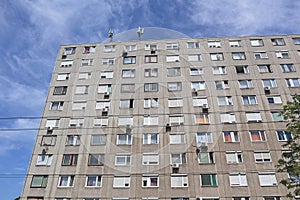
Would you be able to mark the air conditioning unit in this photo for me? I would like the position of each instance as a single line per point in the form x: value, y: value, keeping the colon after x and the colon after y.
x: 106, y: 93
x: 49, y: 128
x: 267, y: 90
x: 105, y: 109
x: 175, y: 165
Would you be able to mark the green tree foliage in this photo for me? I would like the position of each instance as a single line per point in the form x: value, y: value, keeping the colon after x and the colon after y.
x: 291, y: 158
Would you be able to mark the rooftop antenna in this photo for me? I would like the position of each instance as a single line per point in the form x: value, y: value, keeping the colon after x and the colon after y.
x: 110, y: 34
x: 140, y: 32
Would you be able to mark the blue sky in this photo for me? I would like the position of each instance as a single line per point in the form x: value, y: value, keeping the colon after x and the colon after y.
x: 32, y: 30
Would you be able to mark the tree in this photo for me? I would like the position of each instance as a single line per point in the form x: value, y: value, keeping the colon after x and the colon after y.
x: 290, y: 159
x: 18, y: 198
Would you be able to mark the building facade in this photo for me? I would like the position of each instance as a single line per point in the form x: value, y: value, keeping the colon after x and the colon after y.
x: 194, y: 118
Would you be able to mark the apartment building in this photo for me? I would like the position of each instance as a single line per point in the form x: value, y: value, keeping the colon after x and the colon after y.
x: 179, y: 119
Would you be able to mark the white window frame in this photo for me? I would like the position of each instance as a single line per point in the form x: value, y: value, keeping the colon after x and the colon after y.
x: 224, y: 100
x: 63, y: 76
x: 81, y: 89
x: 84, y: 75
x: 106, y: 74
x: 234, y: 157
x: 262, y: 156
x: 72, y: 140
x: 194, y: 57
x: 87, y: 62
x: 121, y: 182
x: 179, y: 180
x: 234, y: 136
x: 66, y: 63
x: 275, y: 98
x: 79, y: 105
x: 56, y: 105
x: 198, y: 85
x: 267, y: 179
x: 94, y: 140
x: 108, y: 61
x: 172, y: 58
x: 127, y: 139
x: 76, y: 122
x: 151, y: 103
x: 194, y: 71
x: 227, y: 118
x: 128, y: 73
x: 204, y: 137
x: 177, y: 138
x: 253, y: 117
x: 44, y: 160
x: 261, y: 134
x: 147, y: 180
x: 178, y: 158
x: 219, y: 70
x: 200, y: 101
x: 216, y: 57
x: 150, y: 138
x: 238, y: 179
x: 125, y: 120
x: 150, y: 159
x: 69, y: 182
x: 101, y: 121
x: 122, y: 160
x: 97, y: 181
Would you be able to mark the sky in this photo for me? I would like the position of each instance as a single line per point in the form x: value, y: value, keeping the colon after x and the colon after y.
x: 31, y: 32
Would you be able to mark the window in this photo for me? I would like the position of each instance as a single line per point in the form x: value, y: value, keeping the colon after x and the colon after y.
x: 39, y: 181
x: 69, y: 159
x: 48, y: 140
x: 234, y: 157
x: 231, y: 136
x: 282, y: 54
x: 151, y: 59
x: 179, y: 180
x: 174, y: 86
x: 122, y: 160
x: 69, y: 50
x: 96, y: 159
x: 276, y: 99
x: 66, y: 63
x: 264, y: 68
x: 276, y: 116
x: 151, y: 103
x: 150, y: 181
x: 208, y: 180
x: 178, y: 158
x: 150, y: 47
x: 121, y: 181
x: 202, y: 118
x: 222, y: 85
x: 193, y: 45
x: 125, y: 120
x: 235, y: 43
x: 196, y: 71
x: 288, y: 68
x: 245, y: 84
x: 240, y: 198
x: 101, y: 121
x: 267, y: 179
x: 63, y: 76
x: 87, y: 62
x: 224, y: 100
x: 199, y: 101
x: 93, y: 181
x: 262, y: 156
x: 104, y: 104
x: 214, y: 44
x: 296, y: 41
x: 198, y: 85
x: 258, y: 136
x: 84, y: 75
x: 172, y: 46
x: 256, y: 42
x: 129, y: 60
x: 98, y: 140
x: 219, y: 70
x: 179, y: 198
x: 150, y: 87
x: 205, y: 157
x: 150, y: 138
x: 44, y: 159
x: 283, y: 135
x: 79, y: 105
x: 128, y: 73
x: 35, y: 198
x: 194, y: 57
x: 176, y: 120
x: 56, y: 105
x: 124, y: 139
x: 253, y: 117
x: 60, y: 90
x: 66, y: 181
x: 89, y: 49
x: 126, y: 103
x: 82, y: 89
x: 204, y: 137
x: 108, y: 61
x: 238, y: 179
x: 109, y: 48
x: 278, y: 42
x: 238, y: 55
x: 150, y: 120
x: 151, y: 72
x: 273, y: 198
x: 174, y: 71
x: 129, y: 48
x: 106, y: 74
x: 216, y: 56
x: 248, y: 100
x: 175, y: 102
x: 150, y: 159
x: 73, y: 140
x: 260, y: 55
x: 227, y: 118
x: 177, y: 138
x: 52, y: 123
x: 292, y: 82
x: 242, y: 69
x: 76, y: 122
x: 127, y: 88
x: 172, y: 58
